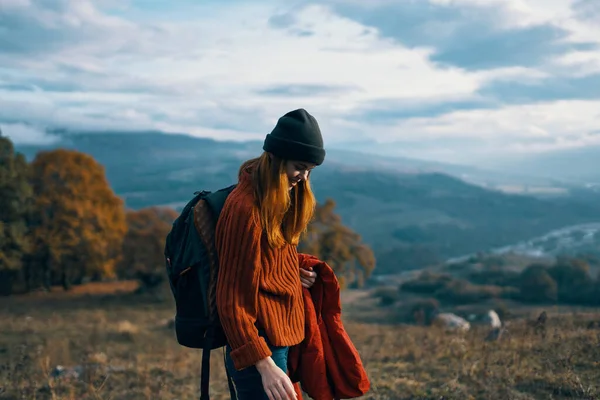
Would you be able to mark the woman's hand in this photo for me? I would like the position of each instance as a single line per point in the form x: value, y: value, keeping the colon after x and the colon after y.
x: 277, y: 384
x: 307, y: 277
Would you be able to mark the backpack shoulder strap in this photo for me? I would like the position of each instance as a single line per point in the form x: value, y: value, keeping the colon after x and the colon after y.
x: 216, y: 200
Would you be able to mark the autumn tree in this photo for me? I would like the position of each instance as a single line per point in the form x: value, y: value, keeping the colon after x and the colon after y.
x: 78, y: 222
x: 342, y: 248
x: 143, y: 246
x: 15, y: 201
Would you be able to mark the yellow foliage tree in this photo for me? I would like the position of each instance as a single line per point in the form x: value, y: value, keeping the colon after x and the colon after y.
x: 143, y: 246
x: 342, y: 248
x: 79, y: 223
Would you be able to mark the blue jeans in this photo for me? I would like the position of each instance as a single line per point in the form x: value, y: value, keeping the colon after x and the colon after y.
x: 248, y: 382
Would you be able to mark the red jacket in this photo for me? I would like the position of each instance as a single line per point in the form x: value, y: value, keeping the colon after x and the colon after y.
x: 325, y: 364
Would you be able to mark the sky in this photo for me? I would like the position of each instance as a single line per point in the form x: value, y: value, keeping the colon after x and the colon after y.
x: 450, y: 80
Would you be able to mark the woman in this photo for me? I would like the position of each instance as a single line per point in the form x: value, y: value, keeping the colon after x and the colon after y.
x: 259, y: 289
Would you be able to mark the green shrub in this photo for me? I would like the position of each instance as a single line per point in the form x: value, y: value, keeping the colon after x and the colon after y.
x: 423, y: 311
x: 495, y: 277
x: 463, y: 292
x: 455, y: 291
x: 387, y: 295
x: 573, y: 280
x: 426, y: 283
x: 537, y: 286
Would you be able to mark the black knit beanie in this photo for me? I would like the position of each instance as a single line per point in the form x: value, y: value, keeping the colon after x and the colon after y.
x: 296, y: 136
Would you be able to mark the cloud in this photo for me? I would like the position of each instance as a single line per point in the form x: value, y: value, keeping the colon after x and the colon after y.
x: 25, y: 134
x: 579, y: 63
x: 527, y: 47
x: 248, y: 68
x: 305, y: 90
x: 587, y: 10
x: 551, y: 88
x: 573, y: 118
x: 391, y: 111
x: 505, y: 130
x: 473, y: 34
x: 41, y: 28
x: 402, y: 71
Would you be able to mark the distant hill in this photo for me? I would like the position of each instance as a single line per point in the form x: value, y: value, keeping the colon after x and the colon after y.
x: 581, y: 165
x: 410, y: 219
x: 560, y: 169
x: 487, y: 177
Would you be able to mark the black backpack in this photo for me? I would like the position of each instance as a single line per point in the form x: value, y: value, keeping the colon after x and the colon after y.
x: 192, y: 268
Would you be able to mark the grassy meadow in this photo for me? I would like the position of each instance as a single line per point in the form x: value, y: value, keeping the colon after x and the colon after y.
x: 124, y: 349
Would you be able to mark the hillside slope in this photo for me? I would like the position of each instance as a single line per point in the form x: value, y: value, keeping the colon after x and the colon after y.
x: 410, y: 219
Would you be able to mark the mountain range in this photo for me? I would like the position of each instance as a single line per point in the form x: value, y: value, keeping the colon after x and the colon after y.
x: 570, y: 166
x: 579, y: 165
x: 411, y: 212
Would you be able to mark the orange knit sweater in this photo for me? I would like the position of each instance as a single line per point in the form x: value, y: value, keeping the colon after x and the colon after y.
x: 258, y: 286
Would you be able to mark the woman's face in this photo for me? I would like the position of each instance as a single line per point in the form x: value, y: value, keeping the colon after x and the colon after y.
x: 297, y: 171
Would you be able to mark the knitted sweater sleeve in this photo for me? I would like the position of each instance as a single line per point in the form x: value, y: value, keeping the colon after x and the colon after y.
x: 238, y: 239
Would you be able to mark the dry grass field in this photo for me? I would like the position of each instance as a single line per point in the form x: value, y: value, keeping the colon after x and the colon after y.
x: 122, y: 348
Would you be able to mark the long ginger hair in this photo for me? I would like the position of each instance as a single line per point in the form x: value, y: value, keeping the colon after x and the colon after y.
x: 284, y: 214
